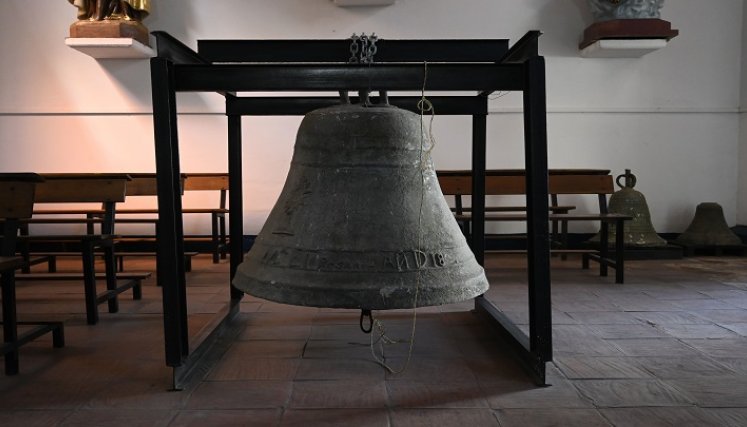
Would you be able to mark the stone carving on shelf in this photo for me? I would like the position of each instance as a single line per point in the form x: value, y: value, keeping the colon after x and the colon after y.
x: 627, y: 21
x: 605, y: 10
x: 111, y: 19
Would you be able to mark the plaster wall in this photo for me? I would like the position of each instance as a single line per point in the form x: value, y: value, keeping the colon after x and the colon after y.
x: 742, y: 185
x: 672, y: 116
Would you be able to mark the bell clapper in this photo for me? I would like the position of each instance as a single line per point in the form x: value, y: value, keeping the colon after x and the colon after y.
x: 366, y: 314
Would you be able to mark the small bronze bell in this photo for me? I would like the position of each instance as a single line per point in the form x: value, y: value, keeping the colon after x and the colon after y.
x: 708, y: 228
x: 361, y: 221
x: 639, y: 232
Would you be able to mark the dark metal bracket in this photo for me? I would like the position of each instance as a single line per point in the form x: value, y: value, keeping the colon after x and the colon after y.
x: 232, y: 66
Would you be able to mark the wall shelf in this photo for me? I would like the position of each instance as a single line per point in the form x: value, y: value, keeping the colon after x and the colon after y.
x: 111, y: 48
x: 622, y: 48
x: 346, y: 3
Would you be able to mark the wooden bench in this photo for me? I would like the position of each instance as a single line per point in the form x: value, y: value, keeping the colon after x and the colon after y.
x: 561, y: 181
x: 16, y: 202
x: 144, y: 184
x: 103, y: 189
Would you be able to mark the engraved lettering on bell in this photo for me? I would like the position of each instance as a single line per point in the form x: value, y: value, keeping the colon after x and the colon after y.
x: 409, y: 260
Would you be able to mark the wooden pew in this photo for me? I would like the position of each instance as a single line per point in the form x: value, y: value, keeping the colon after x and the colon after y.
x: 106, y: 189
x: 16, y: 203
x: 145, y: 185
x: 141, y: 185
x: 560, y: 181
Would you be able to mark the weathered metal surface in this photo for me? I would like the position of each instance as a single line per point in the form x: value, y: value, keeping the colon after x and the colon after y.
x: 708, y: 228
x: 359, y: 223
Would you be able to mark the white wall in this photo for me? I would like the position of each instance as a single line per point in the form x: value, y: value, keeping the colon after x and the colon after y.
x: 671, y: 116
x: 742, y: 187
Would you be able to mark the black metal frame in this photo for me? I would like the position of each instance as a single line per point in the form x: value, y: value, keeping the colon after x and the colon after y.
x: 230, y: 66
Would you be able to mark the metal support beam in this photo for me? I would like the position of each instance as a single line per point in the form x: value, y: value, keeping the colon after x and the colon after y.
x: 170, y: 241
x: 235, y: 204
x: 479, y: 147
x: 538, y: 245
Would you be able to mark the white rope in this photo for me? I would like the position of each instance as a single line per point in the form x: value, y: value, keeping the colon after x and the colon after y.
x: 424, y: 105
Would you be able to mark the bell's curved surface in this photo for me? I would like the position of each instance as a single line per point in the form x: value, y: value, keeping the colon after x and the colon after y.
x: 638, y: 232
x: 347, y: 231
x: 708, y: 228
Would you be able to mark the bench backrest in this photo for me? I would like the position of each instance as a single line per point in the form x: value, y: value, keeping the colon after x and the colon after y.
x: 16, y: 203
x: 145, y: 184
x: 513, y: 182
x: 82, y: 188
x: 17, y: 194
x: 208, y: 182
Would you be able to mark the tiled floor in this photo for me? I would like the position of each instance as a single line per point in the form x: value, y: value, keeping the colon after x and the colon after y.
x: 668, y: 348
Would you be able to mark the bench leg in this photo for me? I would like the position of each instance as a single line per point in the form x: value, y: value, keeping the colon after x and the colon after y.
x: 137, y: 290
x: 604, y: 248
x: 223, y: 239
x: 89, y: 283
x: 215, y: 241
x: 58, y: 336
x: 619, y: 251
x: 111, y: 277
x: 10, y: 329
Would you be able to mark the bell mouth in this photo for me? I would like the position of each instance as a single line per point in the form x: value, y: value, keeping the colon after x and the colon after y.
x: 343, y: 285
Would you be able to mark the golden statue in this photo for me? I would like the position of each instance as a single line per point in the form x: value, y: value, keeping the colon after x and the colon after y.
x: 111, y: 18
x: 99, y: 10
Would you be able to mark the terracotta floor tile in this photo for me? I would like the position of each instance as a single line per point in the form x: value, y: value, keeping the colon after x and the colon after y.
x: 337, y: 350
x: 119, y: 417
x: 525, y: 395
x: 335, y: 417
x: 629, y: 393
x: 340, y: 369
x: 405, y: 394
x: 227, y: 418
x: 636, y: 417
x: 698, y: 331
x: 49, y: 395
x: 234, y: 366
x: 136, y: 395
x: 714, y: 391
x: 729, y: 417
x: 666, y: 367
x: 550, y: 418
x: 720, y: 348
x: 604, y: 318
x: 267, y: 349
x: 443, y: 417
x: 585, y: 367
x: 431, y: 370
x: 239, y: 395
x: 628, y: 331
x: 670, y: 318
x: 338, y: 394
x: 276, y: 332
x: 654, y: 347
x: 32, y: 418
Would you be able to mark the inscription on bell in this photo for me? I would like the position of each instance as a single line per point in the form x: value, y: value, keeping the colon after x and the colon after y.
x: 409, y: 260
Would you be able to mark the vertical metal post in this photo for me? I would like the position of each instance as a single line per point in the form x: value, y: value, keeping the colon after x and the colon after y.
x: 235, y: 199
x: 538, y: 255
x: 170, y: 239
x: 479, y: 146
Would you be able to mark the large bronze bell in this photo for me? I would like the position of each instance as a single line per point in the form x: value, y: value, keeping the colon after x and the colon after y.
x: 361, y: 221
x: 708, y: 228
x: 638, y: 232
